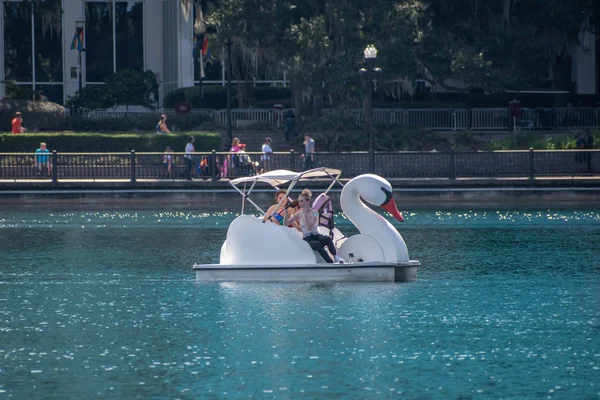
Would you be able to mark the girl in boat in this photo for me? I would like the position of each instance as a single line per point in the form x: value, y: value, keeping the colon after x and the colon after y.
x: 280, y: 213
x: 308, y: 219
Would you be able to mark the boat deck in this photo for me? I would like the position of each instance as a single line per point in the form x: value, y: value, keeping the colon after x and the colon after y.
x: 348, y: 272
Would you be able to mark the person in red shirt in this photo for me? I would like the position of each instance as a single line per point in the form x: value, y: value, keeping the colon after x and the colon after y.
x: 16, y: 124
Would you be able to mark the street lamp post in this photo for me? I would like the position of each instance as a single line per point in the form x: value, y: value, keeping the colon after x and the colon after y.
x: 229, y: 71
x: 369, y: 74
x: 79, y: 25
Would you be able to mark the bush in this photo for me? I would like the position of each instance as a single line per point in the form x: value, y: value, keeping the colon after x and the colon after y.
x: 464, y: 140
x: 98, y: 142
x: 215, y: 96
x: 124, y: 87
x: 36, y: 115
x: 135, y: 122
x: 408, y: 138
x: 339, y: 131
x: 526, y: 140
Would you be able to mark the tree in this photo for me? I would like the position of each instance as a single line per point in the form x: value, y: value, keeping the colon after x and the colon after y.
x: 498, y: 44
x: 127, y: 87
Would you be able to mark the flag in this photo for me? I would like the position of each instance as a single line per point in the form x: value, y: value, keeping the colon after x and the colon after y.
x: 196, y: 45
x: 205, y: 46
x: 77, y: 42
x: 201, y: 51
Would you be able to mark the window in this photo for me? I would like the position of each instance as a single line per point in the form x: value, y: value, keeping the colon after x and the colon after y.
x: 33, y: 49
x: 17, y: 41
x: 113, y: 44
x: 98, y: 41
x: 129, y: 34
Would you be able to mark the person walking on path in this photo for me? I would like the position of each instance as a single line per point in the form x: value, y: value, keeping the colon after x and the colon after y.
x: 309, y: 151
x: 16, y: 124
x: 189, y: 150
x: 266, y: 156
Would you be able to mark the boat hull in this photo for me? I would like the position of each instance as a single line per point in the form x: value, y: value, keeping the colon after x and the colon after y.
x: 351, y: 272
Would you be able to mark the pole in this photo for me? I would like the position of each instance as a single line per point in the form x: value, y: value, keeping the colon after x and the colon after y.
x: 229, y: 129
x: 370, y: 124
x: 80, y: 73
x: 54, y: 164
x: 78, y: 107
x: 370, y: 113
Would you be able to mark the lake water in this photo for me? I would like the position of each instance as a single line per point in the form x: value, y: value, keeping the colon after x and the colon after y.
x: 104, y: 305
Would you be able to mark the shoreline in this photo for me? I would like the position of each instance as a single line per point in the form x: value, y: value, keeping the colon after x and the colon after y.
x: 226, y: 199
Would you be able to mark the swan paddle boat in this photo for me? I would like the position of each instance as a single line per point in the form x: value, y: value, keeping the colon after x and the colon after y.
x: 258, y: 250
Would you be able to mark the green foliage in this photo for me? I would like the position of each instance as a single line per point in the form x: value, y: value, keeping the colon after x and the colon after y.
x: 215, y: 96
x: 132, y: 86
x: 406, y: 138
x: 491, y: 45
x: 36, y: 115
x: 135, y: 122
x: 526, y: 140
x: 338, y: 120
x: 92, y: 97
x: 99, y: 142
x: 17, y: 92
x: 127, y: 87
x: 338, y: 131
x: 262, y: 126
x: 464, y: 140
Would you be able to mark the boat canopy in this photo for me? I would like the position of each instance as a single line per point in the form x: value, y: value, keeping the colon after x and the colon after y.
x: 281, y: 176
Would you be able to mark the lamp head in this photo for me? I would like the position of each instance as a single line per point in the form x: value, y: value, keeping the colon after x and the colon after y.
x: 370, y: 52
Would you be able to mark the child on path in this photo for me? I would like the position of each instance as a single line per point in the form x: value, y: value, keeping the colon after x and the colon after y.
x: 266, y: 156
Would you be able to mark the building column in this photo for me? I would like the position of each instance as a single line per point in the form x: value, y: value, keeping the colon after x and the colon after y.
x: 73, y: 10
x: 153, y: 42
x: 2, y: 89
x: 185, y: 43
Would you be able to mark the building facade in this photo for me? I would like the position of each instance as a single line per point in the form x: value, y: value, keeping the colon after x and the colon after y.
x: 36, y: 53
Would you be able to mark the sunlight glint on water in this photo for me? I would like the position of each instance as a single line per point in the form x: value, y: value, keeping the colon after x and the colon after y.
x: 104, y: 304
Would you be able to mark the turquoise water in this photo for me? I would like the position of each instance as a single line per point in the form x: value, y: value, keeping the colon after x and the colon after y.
x: 104, y: 305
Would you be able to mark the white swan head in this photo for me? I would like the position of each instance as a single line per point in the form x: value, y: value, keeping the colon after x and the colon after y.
x: 377, y: 191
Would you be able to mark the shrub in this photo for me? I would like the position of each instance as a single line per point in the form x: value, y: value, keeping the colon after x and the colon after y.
x: 538, y: 141
x: 408, y: 138
x: 124, y: 87
x: 98, y: 142
x: 464, y: 140
x: 36, y: 115
x: 134, y: 122
x: 339, y: 131
x: 215, y: 96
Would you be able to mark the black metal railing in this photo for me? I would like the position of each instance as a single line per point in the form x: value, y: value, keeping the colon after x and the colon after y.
x: 214, y: 165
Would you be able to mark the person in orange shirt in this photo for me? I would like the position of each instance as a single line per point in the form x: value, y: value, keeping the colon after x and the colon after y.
x: 16, y: 124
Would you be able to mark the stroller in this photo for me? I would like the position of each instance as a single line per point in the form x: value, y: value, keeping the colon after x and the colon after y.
x: 245, y: 165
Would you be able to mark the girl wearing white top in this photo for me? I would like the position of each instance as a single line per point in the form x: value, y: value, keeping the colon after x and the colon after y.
x: 309, y: 224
